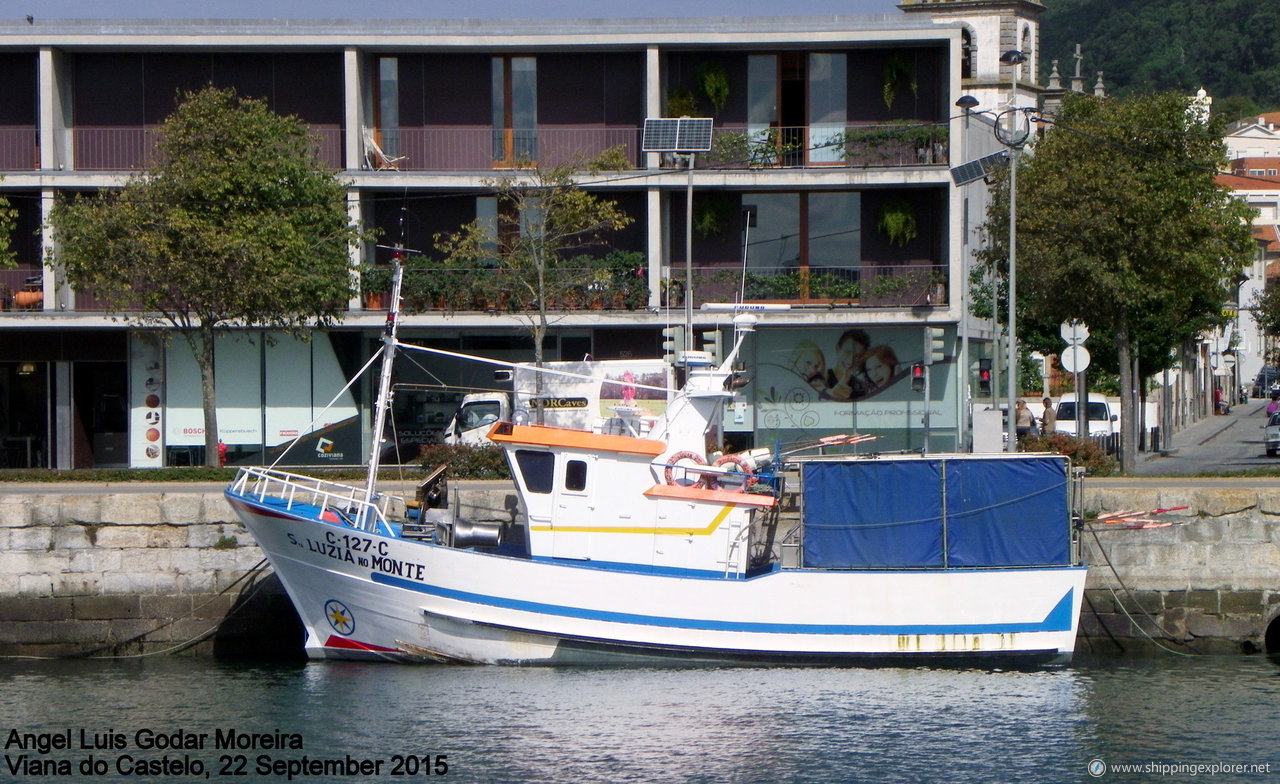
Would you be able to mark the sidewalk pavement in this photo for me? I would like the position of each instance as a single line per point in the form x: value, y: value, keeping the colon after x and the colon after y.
x: 1200, y: 432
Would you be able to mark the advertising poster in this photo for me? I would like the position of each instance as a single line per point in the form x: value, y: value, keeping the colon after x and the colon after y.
x: 810, y: 383
x: 147, y: 392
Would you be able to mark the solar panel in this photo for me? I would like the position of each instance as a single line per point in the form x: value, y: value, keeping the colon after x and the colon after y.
x: 676, y: 134
x: 966, y: 173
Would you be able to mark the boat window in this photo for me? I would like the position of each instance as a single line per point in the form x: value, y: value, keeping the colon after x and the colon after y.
x: 575, y: 475
x: 537, y: 469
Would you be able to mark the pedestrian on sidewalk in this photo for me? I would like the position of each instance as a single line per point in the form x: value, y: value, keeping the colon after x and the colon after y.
x: 1048, y: 420
x: 1274, y: 405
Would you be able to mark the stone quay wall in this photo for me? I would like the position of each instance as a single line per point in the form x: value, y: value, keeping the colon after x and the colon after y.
x: 1208, y: 583
x: 125, y: 573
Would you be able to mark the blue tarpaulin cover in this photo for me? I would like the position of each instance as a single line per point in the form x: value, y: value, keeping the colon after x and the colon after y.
x: 934, y: 513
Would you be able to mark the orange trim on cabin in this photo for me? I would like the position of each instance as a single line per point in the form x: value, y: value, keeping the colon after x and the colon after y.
x: 541, y: 435
x: 699, y: 493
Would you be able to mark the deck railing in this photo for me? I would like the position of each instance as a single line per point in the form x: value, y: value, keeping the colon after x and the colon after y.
x: 335, y: 503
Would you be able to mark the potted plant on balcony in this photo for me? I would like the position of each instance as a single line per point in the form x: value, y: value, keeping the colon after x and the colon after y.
x: 375, y: 286
x: 628, y: 286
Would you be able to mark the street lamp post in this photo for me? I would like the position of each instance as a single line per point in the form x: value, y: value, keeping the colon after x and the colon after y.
x: 1014, y: 141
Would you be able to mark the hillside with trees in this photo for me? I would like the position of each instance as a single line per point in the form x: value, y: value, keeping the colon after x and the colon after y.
x: 1231, y: 48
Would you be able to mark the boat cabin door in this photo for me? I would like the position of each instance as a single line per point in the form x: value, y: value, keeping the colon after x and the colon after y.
x: 574, y: 510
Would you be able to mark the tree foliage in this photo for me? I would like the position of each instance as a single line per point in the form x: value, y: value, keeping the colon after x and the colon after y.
x: 235, y: 224
x: 545, y: 220
x: 1121, y: 225
x: 1229, y: 47
x: 8, y: 219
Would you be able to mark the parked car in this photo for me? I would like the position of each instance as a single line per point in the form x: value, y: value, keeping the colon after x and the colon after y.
x: 1103, y: 417
x: 1273, y: 434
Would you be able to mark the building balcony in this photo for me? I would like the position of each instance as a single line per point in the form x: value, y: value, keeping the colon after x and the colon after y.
x: 617, y: 283
x: 482, y: 148
x: 854, y: 145
x: 910, y: 284
x: 132, y: 149
x: 19, y: 148
x: 733, y: 147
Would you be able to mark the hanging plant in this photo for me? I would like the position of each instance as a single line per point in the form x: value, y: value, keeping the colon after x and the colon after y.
x: 710, y: 214
x: 715, y: 83
x: 898, y: 72
x: 898, y: 221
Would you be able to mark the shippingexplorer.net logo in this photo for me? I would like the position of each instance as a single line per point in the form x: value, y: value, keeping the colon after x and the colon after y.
x: 1099, y: 768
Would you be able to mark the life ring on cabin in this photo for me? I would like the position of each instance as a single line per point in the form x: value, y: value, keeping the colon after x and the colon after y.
x: 711, y: 481
x: 675, y: 459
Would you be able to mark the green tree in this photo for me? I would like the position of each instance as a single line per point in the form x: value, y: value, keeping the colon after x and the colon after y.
x: 1266, y: 310
x: 547, y: 224
x: 235, y: 225
x: 1122, y: 225
x: 8, y: 220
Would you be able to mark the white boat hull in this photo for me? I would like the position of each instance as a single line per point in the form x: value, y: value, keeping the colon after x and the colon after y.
x: 368, y: 596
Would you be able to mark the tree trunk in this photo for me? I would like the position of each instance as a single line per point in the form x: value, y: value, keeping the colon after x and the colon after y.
x: 208, y: 395
x: 539, y: 332
x: 1128, y: 416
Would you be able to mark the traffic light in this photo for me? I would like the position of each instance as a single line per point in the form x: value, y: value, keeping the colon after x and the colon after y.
x: 711, y: 344
x: 917, y: 377
x: 937, y: 344
x: 672, y: 344
x: 984, y: 376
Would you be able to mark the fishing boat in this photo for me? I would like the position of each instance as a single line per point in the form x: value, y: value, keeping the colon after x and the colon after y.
x: 631, y: 543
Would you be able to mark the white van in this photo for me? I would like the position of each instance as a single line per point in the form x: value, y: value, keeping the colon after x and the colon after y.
x: 1103, y: 415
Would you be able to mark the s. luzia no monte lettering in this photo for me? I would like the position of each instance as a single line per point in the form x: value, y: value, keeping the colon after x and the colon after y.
x: 145, y: 738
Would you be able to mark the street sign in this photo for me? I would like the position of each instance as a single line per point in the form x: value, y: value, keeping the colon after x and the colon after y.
x: 1074, y: 332
x: 1074, y: 359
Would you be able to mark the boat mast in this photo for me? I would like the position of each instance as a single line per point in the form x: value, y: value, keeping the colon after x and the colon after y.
x: 382, y: 402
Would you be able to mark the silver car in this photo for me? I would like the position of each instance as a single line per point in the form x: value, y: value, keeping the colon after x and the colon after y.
x: 1273, y: 434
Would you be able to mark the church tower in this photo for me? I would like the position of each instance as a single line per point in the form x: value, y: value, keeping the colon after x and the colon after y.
x: 991, y: 28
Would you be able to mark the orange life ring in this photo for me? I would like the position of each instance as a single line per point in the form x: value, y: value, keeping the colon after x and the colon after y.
x: 711, y: 481
x: 676, y: 458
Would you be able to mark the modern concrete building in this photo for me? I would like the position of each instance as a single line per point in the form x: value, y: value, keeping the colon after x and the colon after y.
x: 827, y: 134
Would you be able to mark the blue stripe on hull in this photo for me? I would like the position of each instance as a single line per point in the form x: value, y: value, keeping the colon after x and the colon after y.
x: 1058, y: 619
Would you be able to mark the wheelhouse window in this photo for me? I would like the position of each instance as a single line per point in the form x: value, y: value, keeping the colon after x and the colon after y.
x: 515, y: 110
x: 575, y: 476
x: 537, y: 469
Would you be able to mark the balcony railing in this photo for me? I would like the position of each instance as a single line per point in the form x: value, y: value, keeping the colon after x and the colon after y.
x: 734, y: 147
x: 886, y: 144
x: 480, y: 148
x: 132, y: 149
x: 620, y: 286
x: 19, y: 149
x: 909, y: 284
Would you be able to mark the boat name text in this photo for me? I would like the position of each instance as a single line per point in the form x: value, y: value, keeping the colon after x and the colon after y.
x: 363, y: 552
